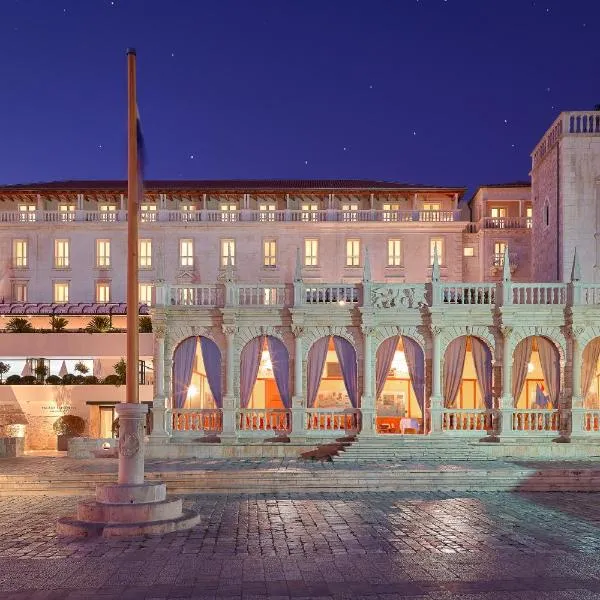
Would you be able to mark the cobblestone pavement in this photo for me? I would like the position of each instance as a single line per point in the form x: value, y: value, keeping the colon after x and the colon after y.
x: 464, y: 546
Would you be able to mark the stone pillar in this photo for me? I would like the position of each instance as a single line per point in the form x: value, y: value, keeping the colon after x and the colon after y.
x: 577, y: 398
x: 367, y: 402
x: 436, y: 399
x: 229, y: 408
x: 298, y: 401
x: 507, y: 403
x: 132, y: 416
x: 158, y: 406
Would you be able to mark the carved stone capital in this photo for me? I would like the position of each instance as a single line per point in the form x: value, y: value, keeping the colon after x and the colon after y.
x: 297, y: 330
x: 159, y: 330
x: 229, y: 330
x: 506, y: 331
x: 368, y: 330
x: 436, y: 330
x: 577, y: 331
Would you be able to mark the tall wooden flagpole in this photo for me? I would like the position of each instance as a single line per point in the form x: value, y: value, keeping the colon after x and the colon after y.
x: 133, y: 191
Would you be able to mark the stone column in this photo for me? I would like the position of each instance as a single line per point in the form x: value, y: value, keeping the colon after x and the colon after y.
x: 436, y: 399
x: 507, y: 403
x: 229, y: 408
x: 577, y: 398
x: 367, y: 402
x: 298, y: 401
x: 131, y: 442
x: 158, y: 406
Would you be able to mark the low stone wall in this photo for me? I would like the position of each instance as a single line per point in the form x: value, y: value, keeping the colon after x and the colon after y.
x: 11, y: 447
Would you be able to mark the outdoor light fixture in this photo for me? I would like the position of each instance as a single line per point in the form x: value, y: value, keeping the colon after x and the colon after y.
x: 192, y: 390
x: 106, y: 446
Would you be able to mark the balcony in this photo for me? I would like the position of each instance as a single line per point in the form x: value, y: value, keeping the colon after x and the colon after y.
x: 225, y: 217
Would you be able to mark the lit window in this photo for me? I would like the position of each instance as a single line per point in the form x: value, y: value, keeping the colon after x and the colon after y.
x: 269, y: 253
x: 108, y: 212
x: 61, y: 254
x: 188, y: 212
x: 499, y: 249
x: 352, y: 253
x: 66, y: 212
x: 103, y: 253
x: 498, y: 213
x: 390, y: 212
x: 148, y: 213
x: 311, y: 253
x: 145, y: 293
x: 349, y: 212
x: 19, y: 291
x: 394, y: 253
x: 61, y: 291
x: 227, y: 253
x: 266, y: 212
x: 186, y: 253
x: 310, y: 212
x: 20, y: 248
x: 229, y: 212
x: 468, y: 251
x: 145, y: 255
x: 27, y: 212
x: 103, y: 292
x: 431, y: 211
x: 436, y: 245
x: 529, y: 214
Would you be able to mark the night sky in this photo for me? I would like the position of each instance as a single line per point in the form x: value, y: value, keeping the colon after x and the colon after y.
x: 452, y: 92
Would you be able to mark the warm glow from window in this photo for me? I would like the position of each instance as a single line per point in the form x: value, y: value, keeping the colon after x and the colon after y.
x: 61, y: 291
x: 145, y: 254
x: 311, y: 252
x: 309, y: 212
x: 394, y: 253
x: 192, y: 391
x: 19, y: 291
x: 266, y: 212
x: 20, y: 254
x: 148, y: 213
x: 436, y: 245
x: 61, y: 254
x: 352, y: 253
x: 390, y: 212
x: 186, y: 253
x: 27, y: 212
x: 145, y: 294
x: 349, y: 212
x: 227, y: 253
x: 228, y: 212
x: 67, y: 212
x: 399, y: 365
x: 103, y: 253
x: 108, y: 212
x: 102, y: 292
x: 468, y: 251
x: 269, y: 253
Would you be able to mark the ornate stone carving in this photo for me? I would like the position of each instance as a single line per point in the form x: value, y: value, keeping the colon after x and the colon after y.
x: 229, y: 330
x: 395, y: 297
x: 436, y: 330
x: 159, y: 330
x: 577, y: 331
x: 297, y: 330
x: 368, y: 330
x: 506, y: 331
x: 129, y: 445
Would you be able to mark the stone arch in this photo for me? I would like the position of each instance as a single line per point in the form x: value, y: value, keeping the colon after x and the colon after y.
x: 585, y: 335
x: 554, y: 334
x: 479, y: 331
x: 387, y: 331
x: 245, y: 334
x: 174, y: 337
x: 315, y: 333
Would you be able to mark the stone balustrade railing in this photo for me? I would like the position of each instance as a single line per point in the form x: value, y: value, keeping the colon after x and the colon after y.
x: 476, y: 420
x: 236, y: 216
x: 264, y: 419
x: 319, y: 420
x: 538, y: 420
x: 591, y: 420
x: 188, y: 420
x: 378, y: 295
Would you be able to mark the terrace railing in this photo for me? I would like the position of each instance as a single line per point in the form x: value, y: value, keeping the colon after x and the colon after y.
x: 185, y: 421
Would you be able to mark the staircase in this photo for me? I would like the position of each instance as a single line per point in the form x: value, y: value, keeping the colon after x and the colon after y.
x: 412, y: 448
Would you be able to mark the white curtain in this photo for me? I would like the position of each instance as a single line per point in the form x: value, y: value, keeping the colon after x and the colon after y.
x: 454, y: 364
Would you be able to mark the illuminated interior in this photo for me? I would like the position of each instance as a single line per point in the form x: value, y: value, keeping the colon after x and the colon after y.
x: 199, y: 394
x: 535, y: 378
x: 265, y: 393
x: 469, y: 394
x: 397, y: 408
x: 592, y: 398
x: 332, y: 391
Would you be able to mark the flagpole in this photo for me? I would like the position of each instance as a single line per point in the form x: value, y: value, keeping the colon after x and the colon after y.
x: 133, y: 190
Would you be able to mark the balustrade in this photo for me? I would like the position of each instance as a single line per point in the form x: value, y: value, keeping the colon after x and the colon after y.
x: 476, y: 420
x: 536, y: 420
x: 327, y: 293
x: 259, y: 295
x: 322, y: 419
x: 264, y: 419
x: 539, y: 293
x: 196, y: 295
x: 467, y: 293
x: 591, y: 420
x: 507, y: 222
x: 185, y: 420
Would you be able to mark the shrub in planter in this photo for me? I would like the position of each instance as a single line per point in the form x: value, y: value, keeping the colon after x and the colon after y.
x: 13, y: 380
x: 90, y: 380
x: 19, y: 325
x: 98, y: 324
x: 66, y: 427
x: 29, y: 380
x: 111, y: 380
x: 82, y: 368
x: 69, y: 379
x: 53, y: 380
x: 58, y: 323
x: 4, y: 368
x: 145, y: 325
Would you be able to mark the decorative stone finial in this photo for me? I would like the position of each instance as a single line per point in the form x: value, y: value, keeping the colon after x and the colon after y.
x: 298, y: 271
x: 367, y: 267
x: 506, y: 266
x: 576, y: 269
x: 435, y: 268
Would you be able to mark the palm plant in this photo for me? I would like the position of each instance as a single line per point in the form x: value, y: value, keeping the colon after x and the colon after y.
x: 19, y: 325
x: 98, y: 324
x: 58, y: 323
x: 145, y: 324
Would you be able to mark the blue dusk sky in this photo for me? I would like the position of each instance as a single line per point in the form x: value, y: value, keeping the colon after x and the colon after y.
x: 452, y: 92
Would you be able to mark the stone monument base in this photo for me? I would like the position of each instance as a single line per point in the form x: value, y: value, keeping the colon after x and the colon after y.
x: 123, y: 510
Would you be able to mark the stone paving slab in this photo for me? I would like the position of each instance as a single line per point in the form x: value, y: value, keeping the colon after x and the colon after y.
x: 435, y: 546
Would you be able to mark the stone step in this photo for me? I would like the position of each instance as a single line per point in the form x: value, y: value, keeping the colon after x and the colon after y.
x: 93, y: 511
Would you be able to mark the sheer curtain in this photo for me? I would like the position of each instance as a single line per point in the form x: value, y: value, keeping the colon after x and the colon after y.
x: 183, y: 367
x: 385, y: 356
x: 415, y: 359
x: 454, y: 364
x: 211, y: 356
x: 482, y: 357
x: 281, y: 368
x: 550, y: 361
x: 347, y: 358
x: 521, y: 359
x: 314, y: 369
x: 249, y: 364
x: 590, y: 357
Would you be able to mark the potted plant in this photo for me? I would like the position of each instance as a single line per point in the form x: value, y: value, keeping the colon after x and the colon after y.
x: 19, y: 325
x: 99, y: 324
x: 41, y: 371
x: 67, y: 427
x: 13, y: 379
x: 4, y: 368
x: 145, y: 324
x: 81, y: 368
x: 58, y: 324
x: 53, y: 380
x: 121, y: 370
